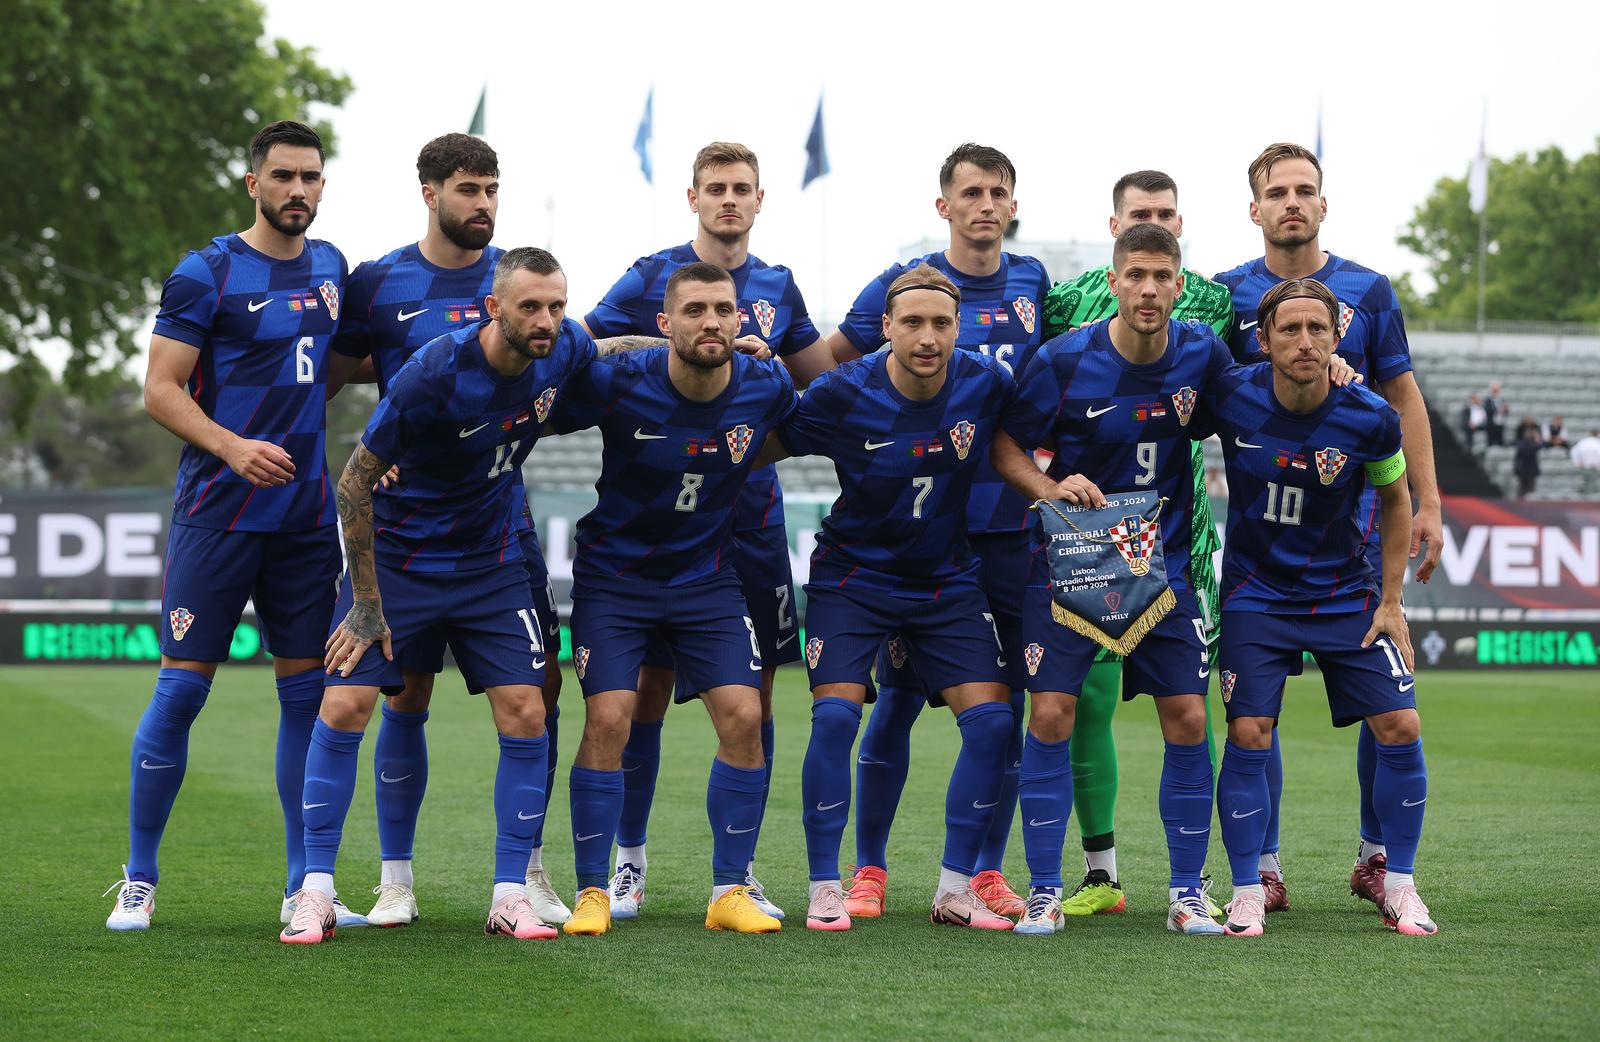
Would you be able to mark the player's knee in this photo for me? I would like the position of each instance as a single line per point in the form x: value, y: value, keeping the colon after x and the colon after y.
x: 1052, y: 717
x: 1400, y: 727
x: 1183, y: 719
x: 607, y: 716
x: 1251, y: 732
x: 346, y: 708
x: 518, y: 711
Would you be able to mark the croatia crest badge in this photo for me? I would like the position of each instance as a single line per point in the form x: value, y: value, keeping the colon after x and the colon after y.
x: 739, y: 442
x: 580, y: 661
x: 961, y: 437
x: 1135, y: 538
x: 1025, y: 311
x: 1229, y: 678
x: 813, y: 651
x: 765, y: 314
x: 1347, y: 315
x: 541, y: 404
x: 897, y: 652
x: 330, y: 297
x: 1033, y: 654
x: 1184, y: 401
x: 1330, y: 462
x: 181, y: 619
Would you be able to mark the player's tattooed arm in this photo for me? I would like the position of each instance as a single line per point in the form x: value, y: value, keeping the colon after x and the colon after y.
x: 614, y: 344
x: 364, y: 625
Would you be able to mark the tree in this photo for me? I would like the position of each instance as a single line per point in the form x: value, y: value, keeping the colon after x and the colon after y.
x: 125, y: 124
x: 97, y: 439
x: 1543, y: 220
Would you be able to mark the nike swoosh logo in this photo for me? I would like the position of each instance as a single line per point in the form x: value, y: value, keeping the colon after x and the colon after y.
x: 730, y: 830
x: 1092, y: 413
x: 538, y: 663
x: 629, y: 770
x: 755, y: 665
x: 984, y: 806
x: 871, y: 763
x: 1258, y: 810
x: 1246, y: 325
x: 1036, y: 824
x: 1408, y: 687
x: 1206, y: 672
x: 467, y: 434
x: 311, y: 806
x: 871, y: 445
x: 786, y: 640
x: 1408, y: 803
x: 638, y: 432
x: 528, y: 817
x: 147, y: 765
x: 407, y: 316
x: 255, y: 306
x: 1194, y: 832
x: 585, y: 839
x: 1243, y: 444
x: 830, y: 806
x: 385, y: 778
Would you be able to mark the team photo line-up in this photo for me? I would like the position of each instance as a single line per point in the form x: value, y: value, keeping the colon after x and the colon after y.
x: 962, y: 389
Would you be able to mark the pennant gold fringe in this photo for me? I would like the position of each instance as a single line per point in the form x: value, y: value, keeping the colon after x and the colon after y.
x: 1131, y: 637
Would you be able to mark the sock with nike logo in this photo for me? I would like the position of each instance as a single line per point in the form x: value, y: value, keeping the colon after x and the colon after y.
x: 400, y: 768
x: 596, y: 798
x: 992, y: 855
x: 1044, y: 796
x: 825, y: 782
x: 1366, y: 769
x: 1400, y: 794
x: 1185, y: 801
x: 330, y: 786
x: 973, y: 796
x: 299, y: 698
x: 733, y: 803
x: 1242, y: 805
x: 518, y: 804
x: 882, y: 763
x: 160, y: 756
x: 1274, y: 776
x: 641, y: 762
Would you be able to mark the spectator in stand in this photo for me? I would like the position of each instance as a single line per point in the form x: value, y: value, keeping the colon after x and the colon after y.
x: 1586, y: 457
x: 1473, y: 419
x: 1498, y: 411
x: 1526, y: 465
x: 1528, y: 427
x: 1554, y: 434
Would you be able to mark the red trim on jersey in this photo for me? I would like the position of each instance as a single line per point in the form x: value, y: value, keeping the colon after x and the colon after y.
x: 201, y: 497
x: 240, y: 514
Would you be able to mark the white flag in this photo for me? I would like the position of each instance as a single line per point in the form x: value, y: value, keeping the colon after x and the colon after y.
x: 1478, y: 179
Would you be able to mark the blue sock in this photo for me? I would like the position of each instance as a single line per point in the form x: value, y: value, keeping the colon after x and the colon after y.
x: 1185, y: 800
x: 400, y: 768
x: 1044, y: 795
x: 881, y: 768
x: 1366, y: 767
x: 596, y: 804
x: 299, y: 698
x: 1242, y: 800
x: 769, y: 742
x: 733, y: 803
x: 1274, y: 773
x: 160, y: 756
x: 825, y: 782
x: 641, y: 761
x: 1400, y: 793
x: 992, y: 855
x: 974, y: 791
x: 330, y: 786
x: 551, y: 730
x: 519, y: 787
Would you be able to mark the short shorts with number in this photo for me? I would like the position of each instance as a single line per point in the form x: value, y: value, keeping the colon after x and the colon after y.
x: 211, y: 573
x: 1261, y: 650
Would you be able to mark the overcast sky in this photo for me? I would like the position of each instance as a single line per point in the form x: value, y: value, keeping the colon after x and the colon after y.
x: 1076, y: 94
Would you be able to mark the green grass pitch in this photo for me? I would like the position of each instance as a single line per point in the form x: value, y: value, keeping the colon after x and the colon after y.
x: 1507, y: 866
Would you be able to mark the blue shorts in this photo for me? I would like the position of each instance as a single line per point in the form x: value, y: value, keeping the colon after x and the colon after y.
x: 761, y: 561
x: 1170, y: 660
x: 704, y: 627
x: 211, y: 573
x: 950, y: 636
x: 486, y: 617
x: 1260, y: 650
x: 1003, y: 562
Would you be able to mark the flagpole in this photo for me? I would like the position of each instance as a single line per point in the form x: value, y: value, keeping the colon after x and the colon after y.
x: 1483, y: 220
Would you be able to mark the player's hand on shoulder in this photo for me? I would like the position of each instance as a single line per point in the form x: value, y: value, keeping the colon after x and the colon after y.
x: 753, y: 345
x: 1080, y: 491
x: 361, y: 627
x: 1341, y: 372
x: 390, y: 479
x: 261, y: 463
x: 1390, y: 621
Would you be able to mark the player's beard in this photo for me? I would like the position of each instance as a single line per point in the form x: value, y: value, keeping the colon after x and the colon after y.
x: 702, y: 357
x: 1296, y: 235
x: 524, y: 344
x: 463, y: 235
x: 282, y: 224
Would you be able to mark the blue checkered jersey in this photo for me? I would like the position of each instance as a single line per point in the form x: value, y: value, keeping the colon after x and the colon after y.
x: 1000, y: 317
x: 906, y: 470
x: 1125, y: 427
x: 262, y: 327
x: 770, y: 306
x: 459, y: 431
x: 1297, y: 516
x: 399, y: 302
x: 672, y: 469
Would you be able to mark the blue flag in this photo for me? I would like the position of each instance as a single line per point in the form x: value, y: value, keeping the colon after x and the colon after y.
x: 641, y: 140
x: 1108, y: 574
x: 816, y: 150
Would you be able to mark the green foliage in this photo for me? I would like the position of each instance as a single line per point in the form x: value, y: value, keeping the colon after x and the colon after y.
x: 99, y: 438
x: 1543, y: 219
x: 125, y: 123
